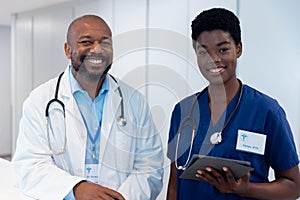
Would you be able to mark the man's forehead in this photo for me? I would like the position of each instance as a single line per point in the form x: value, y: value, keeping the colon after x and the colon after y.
x: 88, y: 26
x: 91, y: 24
x: 90, y: 31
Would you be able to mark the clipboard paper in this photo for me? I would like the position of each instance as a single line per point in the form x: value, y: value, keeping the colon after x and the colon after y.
x: 238, y: 168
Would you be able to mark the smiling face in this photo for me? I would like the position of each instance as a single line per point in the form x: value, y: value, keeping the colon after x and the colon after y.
x: 217, y: 56
x: 89, y: 47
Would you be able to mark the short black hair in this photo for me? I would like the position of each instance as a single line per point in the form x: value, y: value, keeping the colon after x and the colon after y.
x: 217, y: 18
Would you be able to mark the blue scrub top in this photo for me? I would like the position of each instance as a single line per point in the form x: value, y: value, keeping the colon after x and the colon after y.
x: 256, y: 113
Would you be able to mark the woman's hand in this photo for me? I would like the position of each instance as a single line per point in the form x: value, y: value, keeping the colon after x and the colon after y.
x: 224, y: 181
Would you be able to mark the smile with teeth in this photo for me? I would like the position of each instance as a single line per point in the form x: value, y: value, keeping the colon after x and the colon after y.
x: 95, y: 61
x: 216, y: 70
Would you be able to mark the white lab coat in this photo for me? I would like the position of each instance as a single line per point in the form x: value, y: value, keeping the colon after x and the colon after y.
x: 130, y: 157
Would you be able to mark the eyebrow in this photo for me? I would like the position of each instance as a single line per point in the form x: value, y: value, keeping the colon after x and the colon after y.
x: 89, y: 37
x: 219, y: 44
x: 85, y: 37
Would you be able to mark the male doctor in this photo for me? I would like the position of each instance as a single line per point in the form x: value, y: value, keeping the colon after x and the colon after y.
x: 99, y: 141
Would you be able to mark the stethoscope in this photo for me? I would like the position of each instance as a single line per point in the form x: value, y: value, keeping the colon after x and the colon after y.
x: 121, y: 120
x: 215, y: 138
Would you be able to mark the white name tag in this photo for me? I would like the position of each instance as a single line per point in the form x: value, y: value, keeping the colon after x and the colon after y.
x: 91, y: 172
x: 251, y: 142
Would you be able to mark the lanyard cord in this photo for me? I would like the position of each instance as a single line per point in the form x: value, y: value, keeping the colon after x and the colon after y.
x: 93, y: 140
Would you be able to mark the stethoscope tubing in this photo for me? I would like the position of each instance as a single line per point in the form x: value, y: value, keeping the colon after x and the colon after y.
x: 194, y: 129
x: 121, y: 120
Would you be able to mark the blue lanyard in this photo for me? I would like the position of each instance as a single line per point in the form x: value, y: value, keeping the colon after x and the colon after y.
x: 92, y: 139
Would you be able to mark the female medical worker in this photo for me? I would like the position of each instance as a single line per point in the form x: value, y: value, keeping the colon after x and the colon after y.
x: 233, y: 121
x: 122, y: 160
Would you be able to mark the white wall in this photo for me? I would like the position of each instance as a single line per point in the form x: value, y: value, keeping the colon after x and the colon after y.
x: 270, y: 60
x: 153, y: 53
x: 5, y: 102
x: 37, y: 49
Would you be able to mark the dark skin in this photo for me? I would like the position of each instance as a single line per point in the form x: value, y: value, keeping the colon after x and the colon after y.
x: 171, y: 194
x: 217, y: 56
x: 89, y: 47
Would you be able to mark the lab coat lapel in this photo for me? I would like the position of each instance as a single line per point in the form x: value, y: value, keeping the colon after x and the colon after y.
x: 75, y: 128
x: 110, y: 113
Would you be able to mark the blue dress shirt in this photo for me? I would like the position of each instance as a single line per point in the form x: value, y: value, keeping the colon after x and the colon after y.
x: 91, y: 111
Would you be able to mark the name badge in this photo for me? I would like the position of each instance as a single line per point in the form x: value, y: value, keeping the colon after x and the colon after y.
x: 91, y: 172
x: 251, y: 142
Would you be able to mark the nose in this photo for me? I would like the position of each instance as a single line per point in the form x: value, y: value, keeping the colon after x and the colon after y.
x: 215, y: 57
x: 97, y: 48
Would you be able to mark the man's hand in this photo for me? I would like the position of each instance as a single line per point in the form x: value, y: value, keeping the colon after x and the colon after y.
x: 225, y: 181
x: 91, y: 191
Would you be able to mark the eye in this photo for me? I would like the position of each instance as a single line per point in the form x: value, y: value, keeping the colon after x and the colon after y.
x: 224, y: 50
x: 86, y: 42
x: 201, y: 52
x: 106, y: 43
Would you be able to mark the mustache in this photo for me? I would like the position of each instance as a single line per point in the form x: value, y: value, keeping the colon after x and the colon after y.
x: 96, y: 56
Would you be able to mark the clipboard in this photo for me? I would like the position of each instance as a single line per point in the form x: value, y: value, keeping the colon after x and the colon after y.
x: 238, y: 168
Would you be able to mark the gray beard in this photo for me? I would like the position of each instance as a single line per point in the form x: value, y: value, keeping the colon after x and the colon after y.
x: 82, y: 71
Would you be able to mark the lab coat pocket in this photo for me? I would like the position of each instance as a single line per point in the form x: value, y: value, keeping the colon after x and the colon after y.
x: 125, y: 148
x: 119, y: 152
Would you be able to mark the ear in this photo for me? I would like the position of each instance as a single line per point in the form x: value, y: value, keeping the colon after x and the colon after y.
x: 67, y: 50
x: 239, y: 49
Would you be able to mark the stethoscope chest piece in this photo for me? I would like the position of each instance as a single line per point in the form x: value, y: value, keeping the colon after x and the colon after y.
x: 121, y: 121
x: 216, y: 138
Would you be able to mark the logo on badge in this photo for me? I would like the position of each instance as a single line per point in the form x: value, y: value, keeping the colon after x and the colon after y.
x: 244, y: 136
x: 88, y: 169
